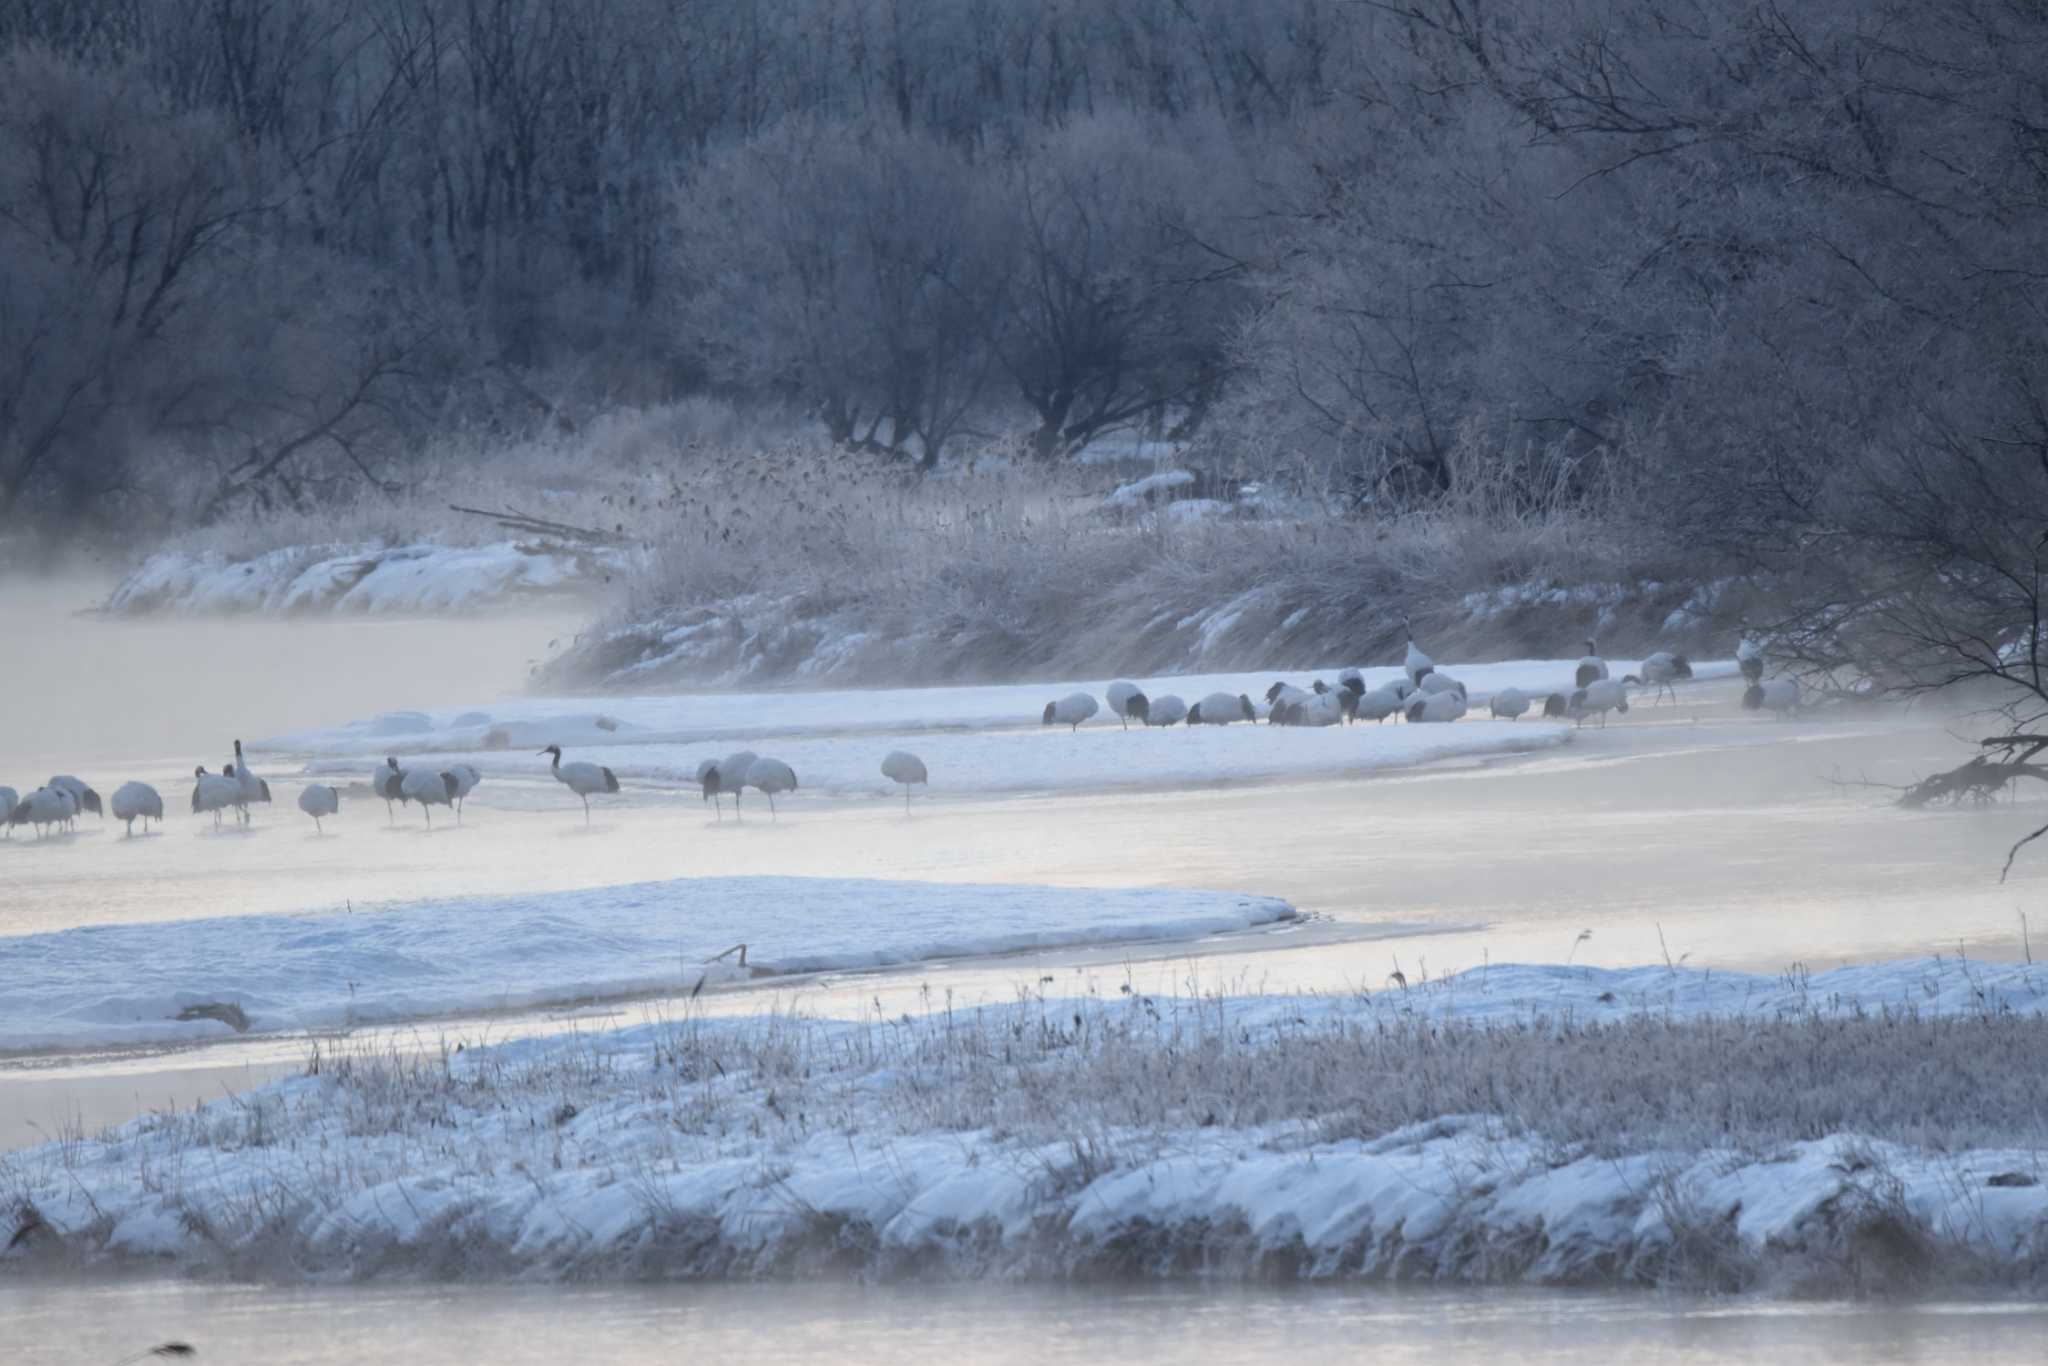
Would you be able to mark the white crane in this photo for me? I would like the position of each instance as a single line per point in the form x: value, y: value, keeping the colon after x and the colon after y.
x: 466, y: 778
x: 1592, y: 669
x: 1597, y: 698
x: 1166, y: 710
x: 9, y: 799
x: 581, y: 778
x: 1350, y: 688
x: 44, y: 807
x: 213, y: 793
x: 317, y: 800
x: 1509, y: 703
x: 1388, y: 699
x: 1321, y: 709
x: 1129, y: 703
x: 1780, y: 695
x: 138, y: 801
x: 1436, y: 707
x: 901, y: 766
x: 1435, y: 683
x: 772, y: 776
x: 1416, y: 664
x: 81, y: 795
x: 385, y: 782
x: 431, y: 789
x: 1220, y: 709
x: 1071, y: 710
x: 720, y: 776
x: 1749, y: 657
x: 253, y: 789
x: 1660, y: 671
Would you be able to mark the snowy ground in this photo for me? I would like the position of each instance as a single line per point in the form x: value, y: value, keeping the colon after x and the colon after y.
x: 361, y: 578
x: 125, y: 984
x: 1552, y: 1125
x: 978, y: 741
x: 690, y: 718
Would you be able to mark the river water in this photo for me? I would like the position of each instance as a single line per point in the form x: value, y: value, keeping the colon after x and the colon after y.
x: 1202, y: 1325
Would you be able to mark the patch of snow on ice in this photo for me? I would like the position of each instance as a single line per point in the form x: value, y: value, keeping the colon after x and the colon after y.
x: 115, y: 984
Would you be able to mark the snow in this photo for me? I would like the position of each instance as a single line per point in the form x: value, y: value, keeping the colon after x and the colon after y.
x: 365, y: 577
x: 782, y: 1145
x: 1001, y: 763
x: 694, y: 718
x: 122, y: 984
x: 1142, y: 493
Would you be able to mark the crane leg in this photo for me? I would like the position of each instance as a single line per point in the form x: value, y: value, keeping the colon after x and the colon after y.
x: 586, y: 811
x: 771, y: 808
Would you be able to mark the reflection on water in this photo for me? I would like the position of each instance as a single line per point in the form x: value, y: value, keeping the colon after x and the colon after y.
x: 1201, y: 1325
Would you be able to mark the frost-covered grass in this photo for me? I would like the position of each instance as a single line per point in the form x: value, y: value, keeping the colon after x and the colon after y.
x: 1874, y: 1130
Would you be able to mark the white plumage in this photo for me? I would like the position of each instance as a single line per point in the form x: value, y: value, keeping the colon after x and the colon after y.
x: 772, y: 776
x: 44, y: 807
x: 385, y: 782
x: 318, y: 800
x: 254, y: 789
x: 1070, y: 710
x: 9, y: 799
x: 213, y: 793
x: 82, y: 796
x: 1129, y: 703
x: 429, y: 788
x: 1660, y: 671
x: 1780, y: 695
x: 1415, y: 664
x: 1220, y: 709
x: 901, y: 766
x: 1597, y: 698
x: 720, y: 776
x: 1388, y: 699
x: 137, y: 801
x: 1352, y: 679
x: 1434, y: 683
x: 1318, y: 709
x: 1436, y: 706
x: 1509, y: 703
x: 466, y: 778
x: 1286, y: 692
x: 582, y: 778
x: 1592, y: 669
x: 1166, y: 710
x: 1749, y: 657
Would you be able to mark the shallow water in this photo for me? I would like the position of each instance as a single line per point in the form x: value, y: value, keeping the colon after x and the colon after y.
x: 1208, y: 1325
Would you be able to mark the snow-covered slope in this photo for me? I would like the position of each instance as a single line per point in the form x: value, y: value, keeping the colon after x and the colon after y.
x: 1144, y: 1136
x: 113, y: 984
x: 363, y: 578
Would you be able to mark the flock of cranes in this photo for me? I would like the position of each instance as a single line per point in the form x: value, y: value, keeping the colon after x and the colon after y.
x: 1422, y: 695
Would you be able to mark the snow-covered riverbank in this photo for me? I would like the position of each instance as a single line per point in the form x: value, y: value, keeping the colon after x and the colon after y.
x: 367, y: 577
x: 1868, y: 1130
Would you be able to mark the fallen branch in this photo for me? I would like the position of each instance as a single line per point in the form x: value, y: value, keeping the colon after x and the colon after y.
x: 514, y: 520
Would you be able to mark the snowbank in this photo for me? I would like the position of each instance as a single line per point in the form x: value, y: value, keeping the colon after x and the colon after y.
x: 358, y: 578
x: 1153, y: 1136
x: 695, y: 718
x: 124, y: 984
x: 996, y: 763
